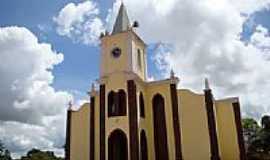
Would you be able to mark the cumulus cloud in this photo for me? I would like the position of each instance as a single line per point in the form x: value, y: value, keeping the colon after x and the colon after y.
x: 199, y: 39
x: 261, y: 39
x: 32, y: 112
x: 80, y: 22
x: 21, y: 137
x: 202, y: 39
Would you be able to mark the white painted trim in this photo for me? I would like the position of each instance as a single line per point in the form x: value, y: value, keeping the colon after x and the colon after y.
x: 232, y: 99
x: 101, y: 60
x: 145, y: 65
x: 129, y: 52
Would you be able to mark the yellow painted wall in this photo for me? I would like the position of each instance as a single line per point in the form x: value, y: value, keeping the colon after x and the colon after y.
x: 80, y: 122
x: 128, y: 42
x: 194, y: 126
x: 144, y: 122
x: 109, y: 64
x: 164, y: 90
x: 227, y: 133
x: 137, y: 44
x: 193, y: 122
x: 119, y: 81
x: 115, y: 82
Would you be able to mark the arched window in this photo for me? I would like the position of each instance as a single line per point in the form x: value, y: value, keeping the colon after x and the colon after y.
x: 160, y: 129
x: 141, y: 102
x: 143, y: 146
x: 122, y: 103
x: 139, y: 58
x: 117, y: 103
x: 111, y: 103
x: 117, y: 146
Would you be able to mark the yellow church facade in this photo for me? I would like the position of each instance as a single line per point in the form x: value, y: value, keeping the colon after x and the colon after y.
x: 130, y: 118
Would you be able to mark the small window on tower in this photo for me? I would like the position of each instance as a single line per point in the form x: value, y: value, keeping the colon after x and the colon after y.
x: 117, y: 103
x: 139, y: 58
x: 111, y: 103
x: 116, y: 52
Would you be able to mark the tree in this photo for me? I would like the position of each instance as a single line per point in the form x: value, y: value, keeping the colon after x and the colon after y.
x: 250, y: 124
x: 259, y: 148
x: 4, y: 153
x: 266, y: 122
x: 250, y: 130
x: 36, y: 154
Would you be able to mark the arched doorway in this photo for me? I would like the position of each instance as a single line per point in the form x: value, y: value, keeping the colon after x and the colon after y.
x: 160, y: 131
x: 117, y: 146
x: 143, y: 143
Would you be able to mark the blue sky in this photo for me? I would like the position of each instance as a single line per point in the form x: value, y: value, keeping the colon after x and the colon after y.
x: 80, y: 65
x: 81, y: 62
x: 260, y: 17
x: 76, y: 66
x: 197, y: 39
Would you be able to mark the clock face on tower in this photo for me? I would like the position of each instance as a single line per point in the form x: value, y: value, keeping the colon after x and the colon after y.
x: 116, y: 52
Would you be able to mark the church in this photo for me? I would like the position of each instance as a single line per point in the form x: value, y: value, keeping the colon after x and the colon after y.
x: 131, y: 118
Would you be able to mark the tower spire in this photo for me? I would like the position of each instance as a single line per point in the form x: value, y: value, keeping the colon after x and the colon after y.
x: 122, y: 21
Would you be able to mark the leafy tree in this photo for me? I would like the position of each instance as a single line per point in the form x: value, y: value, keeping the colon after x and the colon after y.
x: 36, y: 154
x: 259, y: 148
x: 4, y: 153
x: 266, y: 122
x: 250, y: 124
x: 251, y: 129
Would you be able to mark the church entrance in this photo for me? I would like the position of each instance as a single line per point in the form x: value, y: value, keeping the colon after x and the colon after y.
x: 117, y: 146
x: 160, y: 131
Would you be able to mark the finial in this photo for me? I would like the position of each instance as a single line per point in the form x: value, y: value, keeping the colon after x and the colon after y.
x: 92, y: 91
x: 93, y: 87
x: 101, y: 35
x: 135, y: 24
x: 206, y: 83
x: 172, y: 74
x: 70, y: 105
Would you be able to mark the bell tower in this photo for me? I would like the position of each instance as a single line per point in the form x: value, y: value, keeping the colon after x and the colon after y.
x: 122, y: 64
x: 123, y: 50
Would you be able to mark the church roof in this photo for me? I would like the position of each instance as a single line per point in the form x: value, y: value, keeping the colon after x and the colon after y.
x: 122, y: 21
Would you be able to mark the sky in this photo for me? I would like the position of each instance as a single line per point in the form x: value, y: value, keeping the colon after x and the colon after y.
x: 49, y: 55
